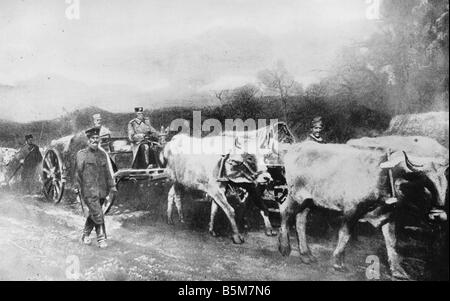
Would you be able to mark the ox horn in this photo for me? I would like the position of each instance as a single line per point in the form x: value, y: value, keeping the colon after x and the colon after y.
x: 274, y: 149
x: 410, y: 165
x: 236, y: 143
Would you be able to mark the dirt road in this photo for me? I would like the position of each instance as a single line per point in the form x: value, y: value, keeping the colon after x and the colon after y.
x: 40, y: 241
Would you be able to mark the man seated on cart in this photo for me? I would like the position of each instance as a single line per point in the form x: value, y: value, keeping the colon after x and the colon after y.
x: 104, y: 133
x: 142, y: 134
x: 98, y: 123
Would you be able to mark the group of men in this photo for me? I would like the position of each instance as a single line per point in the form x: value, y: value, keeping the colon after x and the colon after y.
x: 93, y: 177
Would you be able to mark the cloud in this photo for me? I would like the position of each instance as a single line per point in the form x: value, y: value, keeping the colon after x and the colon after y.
x: 140, y: 48
x: 50, y: 96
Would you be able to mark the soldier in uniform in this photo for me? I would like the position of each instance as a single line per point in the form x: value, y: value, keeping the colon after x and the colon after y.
x: 316, y: 130
x: 93, y: 183
x: 104, y: 131
x: 139, y: 130
x: 30, y: 157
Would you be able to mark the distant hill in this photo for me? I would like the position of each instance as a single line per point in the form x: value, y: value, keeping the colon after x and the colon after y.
x: 341, y: 122
x: 12, y: 133
x: 47, y: 96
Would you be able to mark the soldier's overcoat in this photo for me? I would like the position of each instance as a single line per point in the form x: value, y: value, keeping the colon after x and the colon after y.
x: 94, y: 180
x: 137, y: 130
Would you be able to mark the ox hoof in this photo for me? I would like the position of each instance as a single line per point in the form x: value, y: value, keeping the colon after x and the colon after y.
x: 285, y: 249
x: 213, y: 233
x: 338, y: 264
x: 308, y: 258
x: 400, y: 274
x: 170, y: 221
x: 339, y: 267
x: 271, y: 232
x: 182, y: 221
x: 238, y: 239
x: 283, y: 245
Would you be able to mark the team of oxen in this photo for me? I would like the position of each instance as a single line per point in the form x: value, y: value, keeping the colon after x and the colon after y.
x: 364, y: 180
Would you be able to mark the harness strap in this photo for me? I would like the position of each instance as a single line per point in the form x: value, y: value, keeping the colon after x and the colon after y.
x: 391, y: 177
x: 221, y: 166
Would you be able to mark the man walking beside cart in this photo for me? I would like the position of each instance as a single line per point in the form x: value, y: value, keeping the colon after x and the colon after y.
x: 30, y: 157
x: 93, y: 183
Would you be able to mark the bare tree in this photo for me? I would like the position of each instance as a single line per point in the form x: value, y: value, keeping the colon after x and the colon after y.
x: 222, y: 95
x: 246, y: 92
x: 280, y: 81
x: 316, y: 91
x: 242, y: 102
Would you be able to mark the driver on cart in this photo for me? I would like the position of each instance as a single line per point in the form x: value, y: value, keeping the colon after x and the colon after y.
x: 105, y: 133
x: 98, y: 123
x: 141, y: 134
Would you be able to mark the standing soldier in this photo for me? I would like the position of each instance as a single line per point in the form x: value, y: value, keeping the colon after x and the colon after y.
x: 139, y: 129
x: 316, y: 130
x: 30, y: 158
x: 93, y: 182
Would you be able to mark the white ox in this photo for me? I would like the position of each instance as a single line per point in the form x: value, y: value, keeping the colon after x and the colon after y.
x: 6, y: 156
x: 355, y: 183
x: 419, y: 146
x: 413, y: 145
x: 195, y: 163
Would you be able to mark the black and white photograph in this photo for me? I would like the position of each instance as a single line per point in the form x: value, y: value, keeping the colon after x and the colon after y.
x: 243, y: 141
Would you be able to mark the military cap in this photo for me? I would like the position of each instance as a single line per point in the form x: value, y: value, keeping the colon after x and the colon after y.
x: 96, y: 116
x: 317, y: 121
x: 139, y: 109
x: 29, y: 136
x: 92, y: 132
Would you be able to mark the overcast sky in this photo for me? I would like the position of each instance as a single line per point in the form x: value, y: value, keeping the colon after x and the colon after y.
x: 121, y: 53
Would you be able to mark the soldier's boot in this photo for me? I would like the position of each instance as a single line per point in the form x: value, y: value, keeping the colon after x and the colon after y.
x: 146, y: 154
x: 152, y: 158
x: 101, y: 236
x: 26, y: 186
x: 86, y: 239
x: 88, y: 226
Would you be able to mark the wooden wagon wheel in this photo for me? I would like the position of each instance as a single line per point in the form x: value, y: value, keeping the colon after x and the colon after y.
x: 52, y: 176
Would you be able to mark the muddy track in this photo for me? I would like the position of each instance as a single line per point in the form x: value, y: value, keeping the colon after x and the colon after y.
x: 40, y: 241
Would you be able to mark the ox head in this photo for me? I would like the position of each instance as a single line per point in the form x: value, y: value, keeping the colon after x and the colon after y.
x: 434, y: 171
x: 245, y: 167
x: 7, y: 155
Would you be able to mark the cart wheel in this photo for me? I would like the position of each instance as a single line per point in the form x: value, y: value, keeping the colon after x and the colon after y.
x: 52, y: 176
